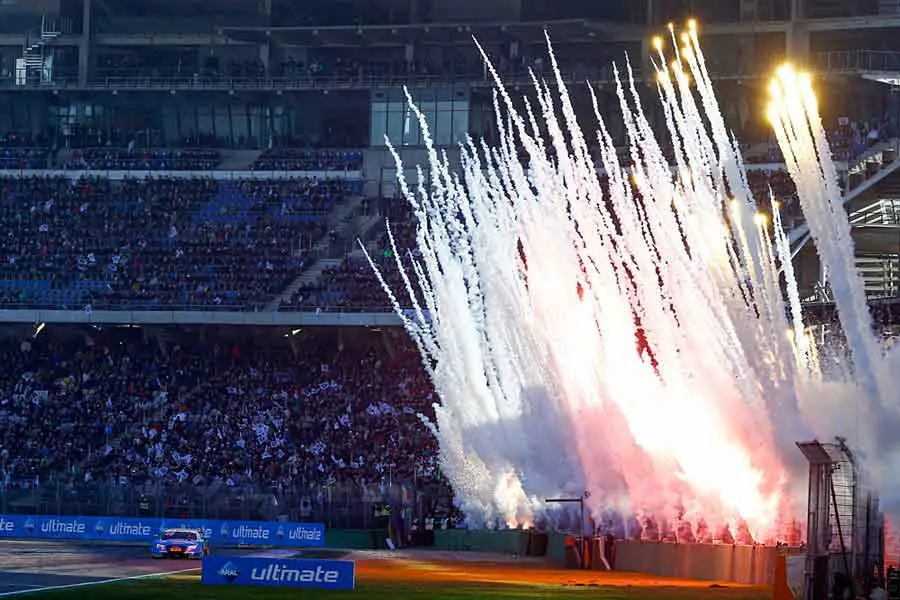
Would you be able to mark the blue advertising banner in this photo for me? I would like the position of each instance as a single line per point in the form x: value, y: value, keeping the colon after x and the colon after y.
x: 130, y: 529
x: 244, y: 570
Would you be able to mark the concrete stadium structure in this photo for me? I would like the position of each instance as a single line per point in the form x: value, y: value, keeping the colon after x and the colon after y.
x: 73, y: 70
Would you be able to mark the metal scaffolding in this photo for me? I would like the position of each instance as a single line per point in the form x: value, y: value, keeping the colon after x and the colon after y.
x: 845, y: 527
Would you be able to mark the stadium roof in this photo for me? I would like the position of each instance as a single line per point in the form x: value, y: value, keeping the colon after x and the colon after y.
x: 571, y: 30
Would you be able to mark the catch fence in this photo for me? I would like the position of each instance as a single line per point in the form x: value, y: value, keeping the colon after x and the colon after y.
x: 341, y: 506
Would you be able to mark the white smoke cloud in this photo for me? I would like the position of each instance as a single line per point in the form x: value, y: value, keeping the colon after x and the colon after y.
x: 543, y: 390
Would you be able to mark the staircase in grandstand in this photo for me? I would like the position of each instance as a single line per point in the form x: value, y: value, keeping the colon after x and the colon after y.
x: 871, y: 168
x: 36, y: 63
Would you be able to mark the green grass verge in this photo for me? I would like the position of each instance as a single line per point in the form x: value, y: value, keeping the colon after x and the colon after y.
x: 189, y: 588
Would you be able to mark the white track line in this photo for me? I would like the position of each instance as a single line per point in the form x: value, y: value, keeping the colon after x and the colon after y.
x: 90, y: 583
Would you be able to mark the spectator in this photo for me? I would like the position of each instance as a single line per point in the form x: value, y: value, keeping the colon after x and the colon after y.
x: 353, y: 285
x: 287, y: 159
x: 23, y: 152
x: 158, y: 242
x: 129, y: 159
x: 114, y: 406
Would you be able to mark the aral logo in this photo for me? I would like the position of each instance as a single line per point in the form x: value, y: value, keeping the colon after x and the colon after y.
x: 229, y: 572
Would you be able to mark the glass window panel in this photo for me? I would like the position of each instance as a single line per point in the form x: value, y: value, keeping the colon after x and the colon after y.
x: 223, y: 123
x: 188, y: 120
x: 170, y: 123
x: 240, y: 124
x: 394, y: 128
x: 254, y: 122
x: 412, y: 134
x: 204, y: 120
x: 460, y: 127
x: 443, y: 133
x: 431, y: 120
x: 378, y: 123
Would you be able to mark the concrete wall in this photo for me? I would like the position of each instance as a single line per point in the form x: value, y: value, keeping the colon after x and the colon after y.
x: 508, y: 541
x: 740, y: 564
x: 752, y: 565
x: 355, y: 539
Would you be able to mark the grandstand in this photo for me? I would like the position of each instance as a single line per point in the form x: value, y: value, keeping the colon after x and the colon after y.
x: 181, y: 199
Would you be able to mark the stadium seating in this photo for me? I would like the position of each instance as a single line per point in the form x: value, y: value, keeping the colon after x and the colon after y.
x: 159, y: 159
x: 194, y: 243
x: 846, y: 142
x: 22, y: 152
x: 289, y: 159
x: 117, y: 406
x: 157, y: 243
x: 353, y: 286
x: 778, y: 183
x: 24, y: 158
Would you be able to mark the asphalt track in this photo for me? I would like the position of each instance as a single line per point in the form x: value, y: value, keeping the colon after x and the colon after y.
x: 28, y: 567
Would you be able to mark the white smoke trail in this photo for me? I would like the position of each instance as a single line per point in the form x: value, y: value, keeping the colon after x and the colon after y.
x: 545, y: 388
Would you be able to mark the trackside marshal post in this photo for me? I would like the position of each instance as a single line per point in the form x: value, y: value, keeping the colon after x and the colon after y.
x: 276, y: 572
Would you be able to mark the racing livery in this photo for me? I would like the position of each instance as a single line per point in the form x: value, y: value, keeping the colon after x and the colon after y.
x: 179, y: 543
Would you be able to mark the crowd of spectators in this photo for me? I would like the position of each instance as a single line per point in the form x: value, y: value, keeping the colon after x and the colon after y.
x: 24, y: 158
x: 316, y: 67
x: 156, y: 159
x: 352, y: 285
x: 847, y: 140
x: 146, y: 64
x: 765, y: 183
x: 19, y: 151
x: 292, y: 159
x: 163, y: 242
x: 132, y: 408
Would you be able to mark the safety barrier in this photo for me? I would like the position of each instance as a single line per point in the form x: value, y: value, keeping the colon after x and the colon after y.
x: 131, y: 529
x: 508, y: 541
x: 790, y: 576
x: 753, y: 565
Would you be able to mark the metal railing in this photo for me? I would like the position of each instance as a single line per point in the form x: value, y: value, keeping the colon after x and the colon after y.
x: 136, y: 305
x: 326, y: 308
x: 880, y: 212
x: 870, y: 164
x: 856, y: 61
x: 217, y: 174
x: 342, y: 505
x: 834, y: 61
x: 125, y: 81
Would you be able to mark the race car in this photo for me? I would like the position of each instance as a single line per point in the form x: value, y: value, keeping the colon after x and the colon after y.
x: 179, y: 543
